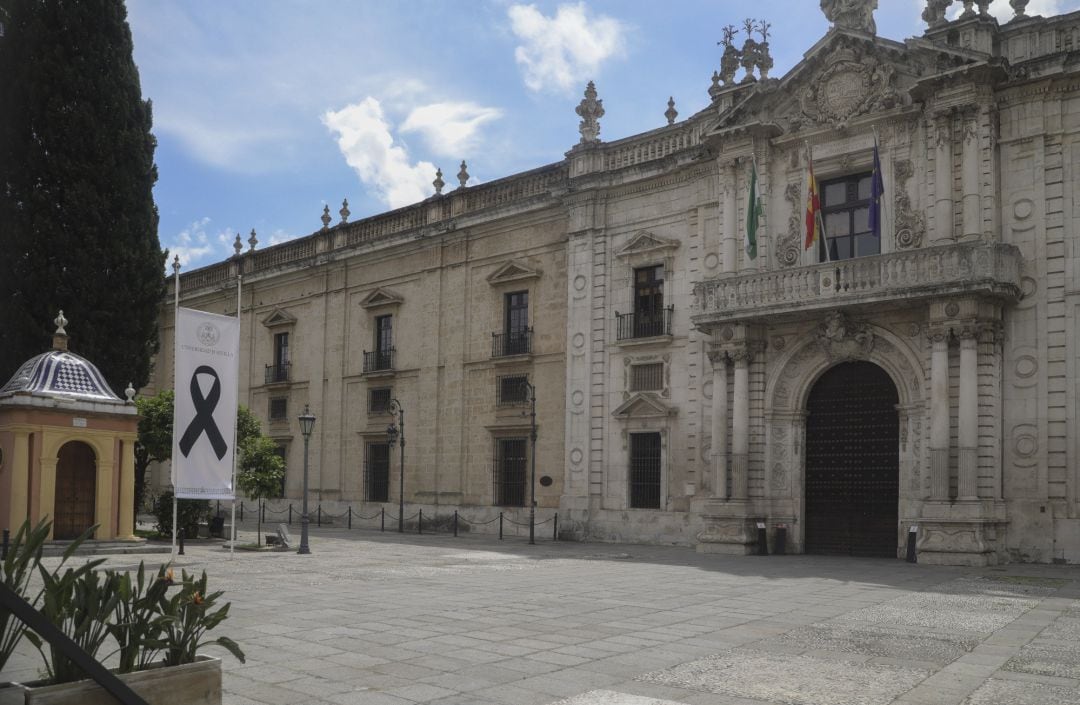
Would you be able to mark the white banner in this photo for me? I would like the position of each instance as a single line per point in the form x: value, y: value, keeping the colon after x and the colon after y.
x: 207, y: 368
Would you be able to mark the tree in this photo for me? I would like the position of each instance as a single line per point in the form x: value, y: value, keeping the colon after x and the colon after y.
x: 78, y: 224
x: 260, y: 473
x: 154, y: 443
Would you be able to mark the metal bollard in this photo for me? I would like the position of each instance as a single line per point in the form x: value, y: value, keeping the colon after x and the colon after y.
x: 350, y: 516
x: 780, y: 542
x: 555, y: 530
x: 762, y: 540
x: 262, y: 510
x: 241, y: 510
x: 318, y: 514
x: 913, y: 535
x: 420, y: 522
x: 455, y: 524
x: 180, y: 539
x: 382, y: 519
x: 500, y: 526
x: 4, y: 545
x: 290, y: 513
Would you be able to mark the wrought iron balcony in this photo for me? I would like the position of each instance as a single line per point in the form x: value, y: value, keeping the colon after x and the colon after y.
x: 963, y: 268
x: 511, y: 343
x: 379, y: 360
x: 643, y: 324
x: 275, y: 374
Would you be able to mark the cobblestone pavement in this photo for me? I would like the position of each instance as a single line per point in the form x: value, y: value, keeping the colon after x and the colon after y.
x: 387, y: 619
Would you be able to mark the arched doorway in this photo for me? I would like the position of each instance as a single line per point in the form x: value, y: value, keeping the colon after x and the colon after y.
x: 76, y: 487
x: 852, y: 462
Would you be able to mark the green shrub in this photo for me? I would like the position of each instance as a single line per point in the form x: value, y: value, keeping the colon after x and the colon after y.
x: 192, y: 513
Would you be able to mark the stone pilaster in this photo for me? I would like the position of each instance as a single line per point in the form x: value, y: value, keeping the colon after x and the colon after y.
x: 943, y: 179
x: 729, y: 252
x: 970, y: 175
x: 968, y: 480
x: 740, y: 425
x: 719, y: 423
x: 939, y: 414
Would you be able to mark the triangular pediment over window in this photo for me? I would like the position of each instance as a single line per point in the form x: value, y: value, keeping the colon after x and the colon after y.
x: 278, y: 318
x: 645, y: 242
x: 381, y: 297
x: 512, y: 271
x: 643, y: 406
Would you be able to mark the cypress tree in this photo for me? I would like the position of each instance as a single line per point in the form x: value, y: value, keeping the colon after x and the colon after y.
x: 78, y: 224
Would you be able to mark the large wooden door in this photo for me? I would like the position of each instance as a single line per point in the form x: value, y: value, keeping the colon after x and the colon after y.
x: 852, y: 462
x: 76, y: 489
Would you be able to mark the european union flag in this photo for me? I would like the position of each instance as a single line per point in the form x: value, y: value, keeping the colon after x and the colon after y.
x: 877, y: 190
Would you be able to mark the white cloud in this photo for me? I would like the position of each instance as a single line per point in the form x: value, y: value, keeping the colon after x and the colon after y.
x: 232, y: 145
x: 562, y: 52
x: 450, y: 128
x: 193, y: 244
x: 364, y: 137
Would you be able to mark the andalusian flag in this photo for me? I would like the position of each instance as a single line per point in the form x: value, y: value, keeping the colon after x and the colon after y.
x: 753, y: 213
x: 814, y: 229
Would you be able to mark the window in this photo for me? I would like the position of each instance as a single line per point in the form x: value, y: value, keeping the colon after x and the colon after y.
x: 281, y: 349
x: 377, y: 473
x: 845, y: 209
x: 645, y: 470
x: 512, y: 389
x: 279, y: 408
x: 647, y: 378
x: 515, y: 325
x: 379, y: 400
x: 384, y: 334
x: 649, y: 318
x: 509, y: 475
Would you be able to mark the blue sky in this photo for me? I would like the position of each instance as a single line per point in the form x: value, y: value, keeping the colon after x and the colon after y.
x: 265, y: 110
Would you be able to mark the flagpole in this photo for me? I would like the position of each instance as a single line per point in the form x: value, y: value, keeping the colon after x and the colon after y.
x: 176, y: 337
x: 236, y: 426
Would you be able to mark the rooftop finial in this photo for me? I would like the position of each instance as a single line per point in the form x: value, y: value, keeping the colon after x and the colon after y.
x: 344, y: 212
x: 176, y: 265
x: 463, y: 175
x: 1018, y: 7
x: 438, y: 183
x: 591, y: 110
x: 237, y: 245
x: 60, y: 336
x: 853, y: 14
x: 325, y: 217
x: 253, y: 240
x: 129, y: 392
x: 671, y: 113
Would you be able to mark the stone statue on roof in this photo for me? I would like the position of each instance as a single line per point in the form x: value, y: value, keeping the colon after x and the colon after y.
x: 851, y: 14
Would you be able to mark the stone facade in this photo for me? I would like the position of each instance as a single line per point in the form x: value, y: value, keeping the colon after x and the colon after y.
x: 966, y: 303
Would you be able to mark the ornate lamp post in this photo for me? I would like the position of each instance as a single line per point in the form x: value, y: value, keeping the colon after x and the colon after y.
x: 393, y: 432
x: 532, y: 476
x: 307, y: 425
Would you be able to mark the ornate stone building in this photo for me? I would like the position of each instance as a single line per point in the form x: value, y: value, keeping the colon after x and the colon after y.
x: 918, y: 377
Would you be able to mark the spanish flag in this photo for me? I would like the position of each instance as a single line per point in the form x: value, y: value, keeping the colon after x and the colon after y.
x: 815, y: 231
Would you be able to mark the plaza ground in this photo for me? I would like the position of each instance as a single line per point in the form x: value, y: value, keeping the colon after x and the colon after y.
x: 374, y: 618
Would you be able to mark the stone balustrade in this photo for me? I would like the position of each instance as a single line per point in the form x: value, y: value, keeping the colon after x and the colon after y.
x: 650, y: 147
x: 914, y: 274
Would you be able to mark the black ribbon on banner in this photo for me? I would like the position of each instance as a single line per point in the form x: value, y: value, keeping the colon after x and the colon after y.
x: 204, y: 415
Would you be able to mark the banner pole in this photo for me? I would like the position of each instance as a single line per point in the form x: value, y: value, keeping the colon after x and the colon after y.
x: 236, y: 426
x: 176, y: 338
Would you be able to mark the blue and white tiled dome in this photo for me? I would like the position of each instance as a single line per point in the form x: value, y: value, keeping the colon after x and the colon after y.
x: 59, y: 372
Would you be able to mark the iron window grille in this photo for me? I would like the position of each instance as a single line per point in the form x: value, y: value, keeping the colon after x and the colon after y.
x: 279, y: 408
x: 645, y: 470
x: 845, y: 210
x: 647, y: 378
x: 508, y: 475
x: 278, y: 372
x: 511, y: 390
x: 511, y: 343
x: 643, y: 324
x: 377, y: 473
x: 379, y: 400
x: 379, y: 360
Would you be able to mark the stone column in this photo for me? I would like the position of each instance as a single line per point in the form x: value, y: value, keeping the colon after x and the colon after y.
x: 126, y: 518
x: 730, y: 246
x: 939, y: 415
x: 968, y: 481
x: 970, y: 177
x: 19, y: 467
x: 719, y: 423
x: 943, y: 179
x: 740, y: 426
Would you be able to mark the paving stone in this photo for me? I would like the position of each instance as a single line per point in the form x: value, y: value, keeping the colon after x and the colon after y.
x: 1060, y: 659
x: 610, y: 697
x: 875, y: 642
x: 1008, y: 692
x: 796, y: 680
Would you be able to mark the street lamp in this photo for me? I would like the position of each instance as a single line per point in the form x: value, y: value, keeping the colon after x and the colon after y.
x: 392, y: 433
x: 307, y: 425
x: 532, y: 479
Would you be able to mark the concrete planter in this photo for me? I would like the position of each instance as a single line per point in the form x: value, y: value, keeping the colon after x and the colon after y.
x: 196, y: 683
x: 12, y: 694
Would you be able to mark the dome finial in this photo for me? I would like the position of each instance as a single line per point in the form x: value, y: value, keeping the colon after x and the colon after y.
x: 60, y: 337
x: 130, y: 393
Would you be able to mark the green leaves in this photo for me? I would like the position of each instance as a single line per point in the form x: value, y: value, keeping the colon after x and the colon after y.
x: 190, y: 614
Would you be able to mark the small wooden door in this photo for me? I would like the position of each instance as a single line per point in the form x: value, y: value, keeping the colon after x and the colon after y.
x: 76, y: 490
